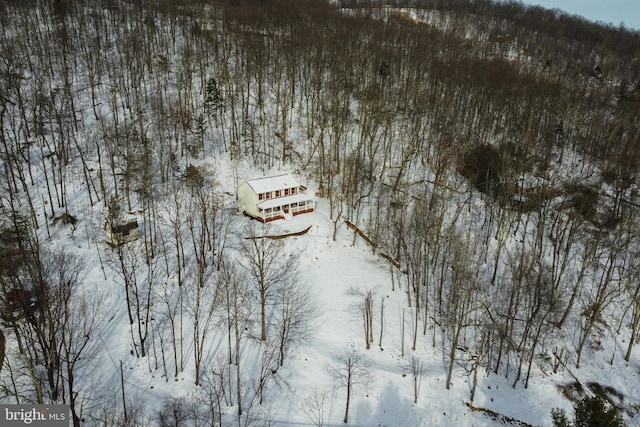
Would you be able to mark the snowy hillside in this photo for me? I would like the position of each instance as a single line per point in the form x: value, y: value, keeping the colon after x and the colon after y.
x: 471, y: 260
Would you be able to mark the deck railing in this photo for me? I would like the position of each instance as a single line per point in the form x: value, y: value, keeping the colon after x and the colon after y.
x: 281, y: 211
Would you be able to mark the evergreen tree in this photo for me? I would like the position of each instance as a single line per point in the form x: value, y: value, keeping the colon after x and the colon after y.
x: 589, y: 412
x: 559, y: 417
x: 213, y: 100
x: 593, y: 411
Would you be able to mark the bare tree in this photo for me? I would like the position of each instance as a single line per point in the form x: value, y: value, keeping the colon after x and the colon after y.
x: 185, y: 411
x: 82, y: 320
x: 138, y: 278
x: 417, y: 370
x: 110, y: 413
x: 381, y: 321
x: 268, y: 265
x: 293, y: 316
x: 201, y: 305
x: 367, y: 318
x: 538, y: 311
x: 56, y: 277
x: 236, y: 308
x: 587, y: 258
x: 171, y: 304
x: 313, y: 407
x: 462, y: 295
x: 214, y: 390
x: 268, y: 367
x: 605, y: 289
x: 56, y: 323
x: 632, y: 288
x: 364, y: 308
x: 352, y: 373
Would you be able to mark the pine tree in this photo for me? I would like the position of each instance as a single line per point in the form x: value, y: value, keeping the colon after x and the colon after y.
x: 593, y: 411
x: 589, y: 412
x: 213, y: 100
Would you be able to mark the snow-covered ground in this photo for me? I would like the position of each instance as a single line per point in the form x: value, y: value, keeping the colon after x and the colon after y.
x: 335, y: 272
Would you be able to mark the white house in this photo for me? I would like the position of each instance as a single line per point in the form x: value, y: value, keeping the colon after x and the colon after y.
x: 274, y: 197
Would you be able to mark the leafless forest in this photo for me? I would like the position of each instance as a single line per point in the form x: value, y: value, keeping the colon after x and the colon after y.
x: 490, y: 152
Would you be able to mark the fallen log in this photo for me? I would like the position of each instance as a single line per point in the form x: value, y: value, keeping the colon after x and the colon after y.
x: 280, y: 236
x: 496, y: 416
x: 393, y: 262
x: 373, y: 244
x: 360, y: 233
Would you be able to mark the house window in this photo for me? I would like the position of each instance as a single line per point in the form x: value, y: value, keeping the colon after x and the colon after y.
x: 286, y: 191
x: 268, y: 195
x: 293, y: 190
x: 260, y: 196
x: 277, y: 193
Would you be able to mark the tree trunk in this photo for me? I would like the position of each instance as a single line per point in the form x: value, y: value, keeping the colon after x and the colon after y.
x: 346, y: 409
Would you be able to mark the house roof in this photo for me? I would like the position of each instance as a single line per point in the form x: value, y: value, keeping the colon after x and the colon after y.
x: 272, y: 183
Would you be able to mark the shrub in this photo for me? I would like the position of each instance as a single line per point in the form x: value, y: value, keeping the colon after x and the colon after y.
x: 589, y: 412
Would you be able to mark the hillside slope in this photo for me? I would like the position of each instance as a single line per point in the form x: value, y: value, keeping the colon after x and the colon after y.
x: 488, y: 152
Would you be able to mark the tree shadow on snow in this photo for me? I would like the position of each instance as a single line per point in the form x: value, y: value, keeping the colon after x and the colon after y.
x: 390, y: 409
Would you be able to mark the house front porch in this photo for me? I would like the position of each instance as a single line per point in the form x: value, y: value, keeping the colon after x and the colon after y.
x: 280, y: 208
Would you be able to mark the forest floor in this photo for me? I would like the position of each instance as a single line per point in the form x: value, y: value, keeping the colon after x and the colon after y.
x: 338, y: 273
